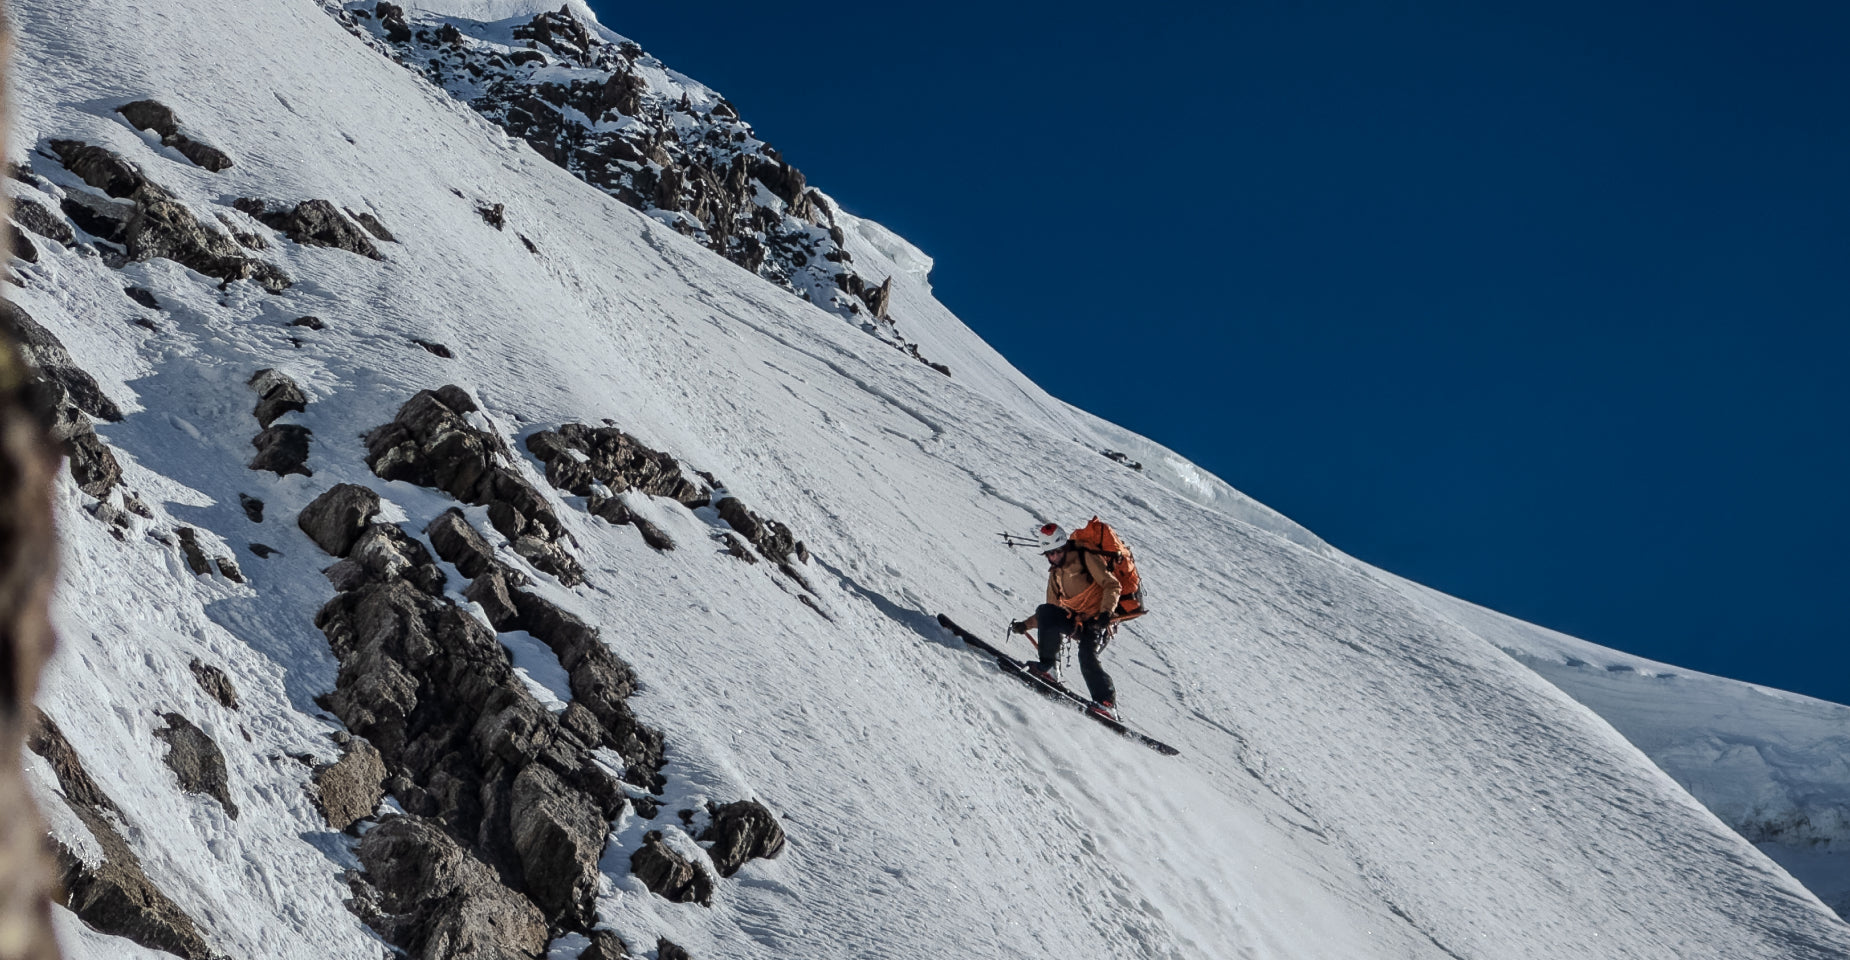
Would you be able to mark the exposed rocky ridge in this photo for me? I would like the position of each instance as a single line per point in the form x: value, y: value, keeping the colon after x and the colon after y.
x: 431, y: 444
x: 152, y: 222
x: 114, y: 895
x: 433, y: 690
x: 614, y: 117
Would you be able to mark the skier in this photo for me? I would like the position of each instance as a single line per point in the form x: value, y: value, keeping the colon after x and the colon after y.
x: 1082, y: 594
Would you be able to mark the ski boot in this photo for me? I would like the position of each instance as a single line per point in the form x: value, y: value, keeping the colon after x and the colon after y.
x: 1106, y: 709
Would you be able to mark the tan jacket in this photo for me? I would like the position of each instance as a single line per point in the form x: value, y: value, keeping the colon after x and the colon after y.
x: 1083, y: 584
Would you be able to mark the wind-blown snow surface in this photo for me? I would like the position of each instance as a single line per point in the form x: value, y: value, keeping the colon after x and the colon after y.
x: 1362, y: 775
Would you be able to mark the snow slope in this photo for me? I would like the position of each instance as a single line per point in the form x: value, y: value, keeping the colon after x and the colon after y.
x: 1363, y: 774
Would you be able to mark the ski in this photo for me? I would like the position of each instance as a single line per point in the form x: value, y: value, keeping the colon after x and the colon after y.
x: 1054, y: 691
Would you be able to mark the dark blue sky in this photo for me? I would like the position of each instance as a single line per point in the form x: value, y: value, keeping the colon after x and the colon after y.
x: 1548, y: 308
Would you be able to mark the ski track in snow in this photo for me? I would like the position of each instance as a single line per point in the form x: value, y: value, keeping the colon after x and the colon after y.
x: 1365, y: 771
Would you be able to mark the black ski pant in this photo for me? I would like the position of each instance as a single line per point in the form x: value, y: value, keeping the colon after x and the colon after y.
x: 1058, y: 623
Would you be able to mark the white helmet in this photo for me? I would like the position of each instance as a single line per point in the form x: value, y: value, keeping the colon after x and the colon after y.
x: 1049, y: 537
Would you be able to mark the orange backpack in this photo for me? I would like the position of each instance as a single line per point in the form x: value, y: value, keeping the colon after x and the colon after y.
x: 1098, y: 537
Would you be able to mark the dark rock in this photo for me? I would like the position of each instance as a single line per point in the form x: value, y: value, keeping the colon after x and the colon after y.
x: 151, y: 115
x: 336, y: 519
x: 434, y: 347
x: 494, y: 215
x: 23, y: 248
x: 278, y: 394
x: 772, y: 538
x: 39, y: 219
x: 611, y: 509
x: 349, y: 789
x: 115, y: 897
x: 437, y: 902
x: 143, y: 296
x: 253, y: 507
x: 228, y: 568
x: 189, y: 548
x: 559, y: 835
x: 666, y: 949
x: 100, y: 218
x: 648, y: 806
x: 62, y: 384
x: 196, y: 760
x: 371, y: 224
x: 313, y: 323
x: 202, y: 154
x: 159, y: 119
x: 457, y: 399
x: 215, y: 682
x: 459, y: 543
x: 668, y: 874
x: 738, y: 549
x: 161, y: 226
x: 320, y: 223
x: 653, y: 535
x: 491, y: 590
x: 100, y: 168
x: 282, y: 449
x: 742, y: 831
x: 605, y: 945
x: 384, y: 553
x: 549, y: 557
x: 93, y: 466
x: 264, y: 551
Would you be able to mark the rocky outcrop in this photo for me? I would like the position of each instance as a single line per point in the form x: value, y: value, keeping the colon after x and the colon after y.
x: 38, y: 218
x: 153, y: 224
x: 282, y: 449
x: 466, y: 744
x: 666, y: 949
x: 739, y: 832
x: 315, y: 223
x: 349, y: 789
x: 682, y: 155
x: 669, y: 874
x: 336, y: 518
x: 160, y: 120
x: 277, y: 394
x: 424, y: 893
x: 577, y: 456
x: 605, y: 945
x: 215, y: 683
x: 197, y: 761
x: 192, y: 552
x: 114, y: 896
x: 28, y: 569
x: 771, y: 537
x: 429, y: 443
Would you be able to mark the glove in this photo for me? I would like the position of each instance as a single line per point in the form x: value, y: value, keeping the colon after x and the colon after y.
x: 1018, y: 626
x: 1098, y: 622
